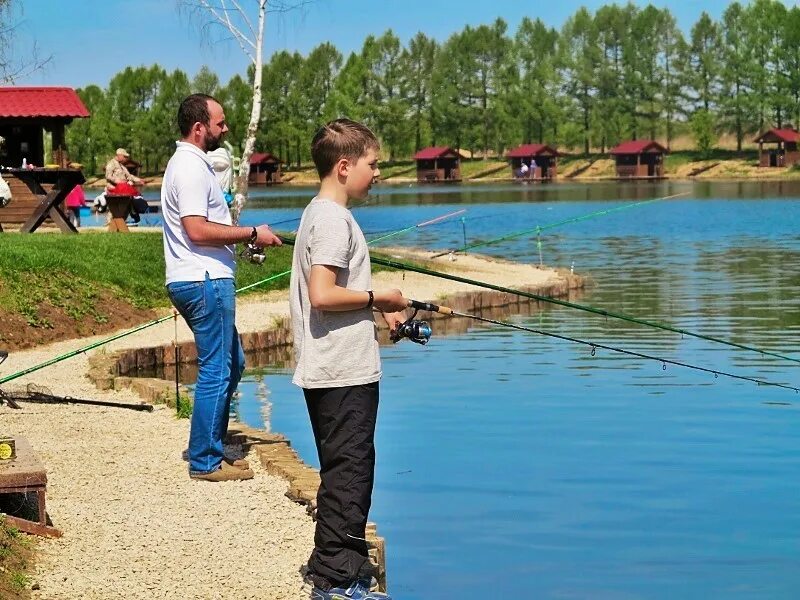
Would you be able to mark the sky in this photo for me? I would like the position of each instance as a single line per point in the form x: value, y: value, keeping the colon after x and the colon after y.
x: 91, y: 40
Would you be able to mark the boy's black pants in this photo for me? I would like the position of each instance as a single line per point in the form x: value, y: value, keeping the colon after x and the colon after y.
x: 343, y: 420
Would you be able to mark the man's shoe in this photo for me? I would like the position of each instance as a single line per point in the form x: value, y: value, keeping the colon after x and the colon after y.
x: 225, y: 472
x: 239, y: 463
x: 358, y: 590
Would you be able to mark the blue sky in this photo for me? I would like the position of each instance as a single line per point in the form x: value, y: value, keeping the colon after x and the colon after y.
x: 91, y: 40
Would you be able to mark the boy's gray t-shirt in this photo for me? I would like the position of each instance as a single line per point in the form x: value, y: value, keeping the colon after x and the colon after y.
x: 332, y: 348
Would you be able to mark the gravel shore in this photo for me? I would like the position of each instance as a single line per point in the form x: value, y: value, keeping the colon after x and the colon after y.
x: 134, y: 524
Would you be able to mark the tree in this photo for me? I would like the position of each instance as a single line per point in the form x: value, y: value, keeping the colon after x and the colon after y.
x: 13, y: 66
x: 581, y: 54
x: 704, y: 61
x: 246, y: 26
x: 673, y: 57
x: 205, y: 82
x: 736, y: 68
x: 703, y: 130
x: 418, y: 61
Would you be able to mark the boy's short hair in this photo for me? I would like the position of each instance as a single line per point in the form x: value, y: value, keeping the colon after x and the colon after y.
x: 194, y: 109
x: 342, y: 138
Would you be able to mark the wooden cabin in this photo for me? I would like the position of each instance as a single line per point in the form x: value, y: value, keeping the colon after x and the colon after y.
x: 639, y: 159
x: 544, y: 157
x: 265, y: 169
x: 784, y: 153
x: 438, y: 163
x: 26, y: 115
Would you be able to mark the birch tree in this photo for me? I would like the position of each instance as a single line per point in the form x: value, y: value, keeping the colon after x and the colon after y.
x: 244, y: 22
x: 15, y: 66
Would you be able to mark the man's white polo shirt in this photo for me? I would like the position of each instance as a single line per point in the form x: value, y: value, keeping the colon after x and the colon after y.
x: 190, y: 188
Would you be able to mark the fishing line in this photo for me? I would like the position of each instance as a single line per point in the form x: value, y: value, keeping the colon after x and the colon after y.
x: 593, y: 345
x: 582, y: 307
x: 539, y: 228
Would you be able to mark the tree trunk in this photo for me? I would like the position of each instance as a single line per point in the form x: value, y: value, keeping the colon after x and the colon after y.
x: 240, y: 199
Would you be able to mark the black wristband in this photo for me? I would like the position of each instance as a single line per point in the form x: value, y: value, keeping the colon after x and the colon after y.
x: 371, y: 299
x: 253, y: 236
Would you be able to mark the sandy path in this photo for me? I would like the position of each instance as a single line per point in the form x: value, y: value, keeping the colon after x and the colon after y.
x: 134, y: 525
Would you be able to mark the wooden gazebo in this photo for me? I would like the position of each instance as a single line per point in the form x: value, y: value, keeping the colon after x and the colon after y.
x: 544, y: 157
x: 438, y: 163
x: 265, y: 169
x: 639, y: 159
x: 785, y: 152
x: 26, y: 113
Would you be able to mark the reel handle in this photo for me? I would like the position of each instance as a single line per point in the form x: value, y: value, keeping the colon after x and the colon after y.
x: 417, y: 305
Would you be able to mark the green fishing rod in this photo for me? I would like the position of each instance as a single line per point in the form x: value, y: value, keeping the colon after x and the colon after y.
x: 420, y: 332
x: 404, y: 266
x: 540, y: 228
x: 123, y: 334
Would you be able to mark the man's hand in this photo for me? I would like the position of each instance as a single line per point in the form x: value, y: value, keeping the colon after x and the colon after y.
x: 265, y: 237
x: 390, y: 301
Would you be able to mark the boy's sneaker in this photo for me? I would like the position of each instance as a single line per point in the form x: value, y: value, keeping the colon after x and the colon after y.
x: 358, y: 590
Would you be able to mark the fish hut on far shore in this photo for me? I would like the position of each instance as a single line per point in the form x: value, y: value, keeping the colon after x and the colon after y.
x: 265, y: 169
x: 784, y: 154
x: 543, y: 156
x: 438, y: 163
x: 639, y: 159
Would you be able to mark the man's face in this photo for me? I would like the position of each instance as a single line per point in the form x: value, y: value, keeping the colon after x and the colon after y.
x: 216, y: 129
x: 121, y: 158
x: 362, y: 174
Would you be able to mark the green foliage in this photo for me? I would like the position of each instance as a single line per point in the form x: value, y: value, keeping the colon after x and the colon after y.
x: 624, y: 71
x: 703, y: 131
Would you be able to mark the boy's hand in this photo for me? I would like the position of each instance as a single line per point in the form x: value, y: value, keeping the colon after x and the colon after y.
x: 393, y: 320
x: 265, y: 237
x: 390, y: 301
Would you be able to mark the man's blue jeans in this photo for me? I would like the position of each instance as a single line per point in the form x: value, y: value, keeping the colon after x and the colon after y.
x: 209, y: 308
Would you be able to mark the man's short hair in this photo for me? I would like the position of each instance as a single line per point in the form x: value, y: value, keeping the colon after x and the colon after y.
x: 194, y: 109
x: 342, y: 138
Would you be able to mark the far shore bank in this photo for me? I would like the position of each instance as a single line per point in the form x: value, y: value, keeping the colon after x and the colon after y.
x: 134, y: 525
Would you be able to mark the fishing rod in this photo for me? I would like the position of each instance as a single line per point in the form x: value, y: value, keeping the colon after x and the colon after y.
x: 540, y: 228
x: 419, y: 225
x: 420, y: 332
x: 404, y: 266
x: 123, y: 334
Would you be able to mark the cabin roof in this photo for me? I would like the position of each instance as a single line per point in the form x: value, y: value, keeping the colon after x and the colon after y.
x: 526, y: 150
x: 30, y: 102
x: 258, y: 158
x: 638, y: 147
x: 779, y: 135
x: 435, y: 152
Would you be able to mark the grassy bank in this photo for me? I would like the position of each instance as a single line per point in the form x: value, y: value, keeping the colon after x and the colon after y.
x: 16, y: 558
x: 55, y: 286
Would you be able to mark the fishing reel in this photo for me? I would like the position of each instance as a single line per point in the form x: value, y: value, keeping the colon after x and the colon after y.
x: 254, y: 254
x: 413, y: 329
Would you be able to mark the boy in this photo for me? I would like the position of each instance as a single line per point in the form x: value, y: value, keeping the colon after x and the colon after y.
x: 338, y: 364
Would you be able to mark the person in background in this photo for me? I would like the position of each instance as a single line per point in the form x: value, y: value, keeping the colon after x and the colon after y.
x: 222, y: 162
x: 120, y: 181
x: 523, y: 170
x: 74, y: 200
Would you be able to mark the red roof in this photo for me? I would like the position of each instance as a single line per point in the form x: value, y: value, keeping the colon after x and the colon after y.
x: 41, y: 102
x: 526, y: 150
x: 435, y: 152
x: 263, y: 157
x: 638, y: 147
x: 779, y: 135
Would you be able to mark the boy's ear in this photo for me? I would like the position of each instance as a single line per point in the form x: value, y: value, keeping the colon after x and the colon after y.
x: 342, y: 167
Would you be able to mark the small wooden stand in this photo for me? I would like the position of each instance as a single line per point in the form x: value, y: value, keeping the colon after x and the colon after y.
x: 22, y: 475
x: 120, y: 208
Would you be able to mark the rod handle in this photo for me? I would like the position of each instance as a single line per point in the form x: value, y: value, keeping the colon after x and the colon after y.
x: 416, y: 304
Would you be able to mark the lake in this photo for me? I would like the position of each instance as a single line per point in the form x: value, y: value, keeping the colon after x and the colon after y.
x: 516, y: 465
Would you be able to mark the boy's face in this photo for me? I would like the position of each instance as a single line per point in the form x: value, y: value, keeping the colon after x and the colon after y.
x: 362, y: 174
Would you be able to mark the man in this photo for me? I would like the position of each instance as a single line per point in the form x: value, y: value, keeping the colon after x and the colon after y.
x: 116, y: 172
x: 199, y: 254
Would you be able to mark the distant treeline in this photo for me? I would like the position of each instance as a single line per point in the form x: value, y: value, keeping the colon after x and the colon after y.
x: 623, y: 72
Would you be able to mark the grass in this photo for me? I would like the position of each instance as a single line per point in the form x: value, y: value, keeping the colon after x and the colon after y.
x: 69, y: 271
x: 16, y: 558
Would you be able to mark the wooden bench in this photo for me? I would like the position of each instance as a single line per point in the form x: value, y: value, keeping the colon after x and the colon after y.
x: 23, y: 475
x: 38, y: 197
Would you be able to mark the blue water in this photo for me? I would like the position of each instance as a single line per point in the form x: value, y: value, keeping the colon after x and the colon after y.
x: 516, y: 465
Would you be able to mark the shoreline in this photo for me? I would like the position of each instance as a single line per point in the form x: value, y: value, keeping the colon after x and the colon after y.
x: 134, y: 525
